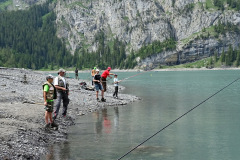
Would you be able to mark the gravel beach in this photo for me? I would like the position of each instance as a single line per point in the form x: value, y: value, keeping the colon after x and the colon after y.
x: 22, y: 111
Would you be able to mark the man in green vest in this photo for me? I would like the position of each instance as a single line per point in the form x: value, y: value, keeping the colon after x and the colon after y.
x: 49, y: 93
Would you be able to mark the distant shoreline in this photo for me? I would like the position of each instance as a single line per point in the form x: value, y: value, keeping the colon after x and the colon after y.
x: 195, y: 69
x: 137, y: 70
x: 158, y: 70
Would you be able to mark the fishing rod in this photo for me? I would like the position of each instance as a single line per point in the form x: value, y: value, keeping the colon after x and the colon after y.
x: 34, y: 103
x: 131, y: 76
x: 178, y: 118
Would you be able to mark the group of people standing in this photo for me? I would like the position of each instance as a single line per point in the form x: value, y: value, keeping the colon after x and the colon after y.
x: 55, y: 88
x: 100, y: 82
x: 58, y: 88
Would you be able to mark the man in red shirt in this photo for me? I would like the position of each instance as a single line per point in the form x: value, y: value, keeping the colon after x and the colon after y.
x: 104, y: 76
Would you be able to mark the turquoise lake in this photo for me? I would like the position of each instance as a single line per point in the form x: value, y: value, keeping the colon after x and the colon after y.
x: 210, y: 132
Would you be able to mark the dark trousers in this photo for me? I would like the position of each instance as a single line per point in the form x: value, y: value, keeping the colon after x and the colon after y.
x: 104, y: 84
x: 61, y: 96
x: 116, y: 91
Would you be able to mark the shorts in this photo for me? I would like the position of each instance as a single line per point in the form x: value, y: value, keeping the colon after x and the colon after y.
x: 98, y: 86
x: 49, y: 107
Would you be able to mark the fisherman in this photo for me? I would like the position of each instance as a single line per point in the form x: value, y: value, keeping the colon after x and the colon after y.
x: 62, y: 93
x: 98, y: 85
x: 93, y: 74
x: 104, y: 76
x: 76, y: 73
x: 49, y: 93
x: 115, y: 81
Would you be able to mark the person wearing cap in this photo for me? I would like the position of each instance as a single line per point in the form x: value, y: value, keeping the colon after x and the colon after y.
x: 93, y: 74
x: 62, y: 93
x: 104, y: 76
x: 115, y: 81
x: 49, y: 93
x: 98, y: 85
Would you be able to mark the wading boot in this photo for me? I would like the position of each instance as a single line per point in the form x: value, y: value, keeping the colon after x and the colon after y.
x: 103, y: 100
x: 54, y: 126
x: 47, y: 126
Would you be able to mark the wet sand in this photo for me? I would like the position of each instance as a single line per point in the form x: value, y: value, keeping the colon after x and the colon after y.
x: 22, y: 111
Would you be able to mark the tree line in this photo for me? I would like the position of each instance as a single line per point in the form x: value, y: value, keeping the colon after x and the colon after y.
x: 28, y: 39
x: 235, y: 4
x: 229, y: 58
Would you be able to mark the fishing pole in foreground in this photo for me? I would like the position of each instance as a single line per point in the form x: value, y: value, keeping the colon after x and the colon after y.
x: 178, y: 118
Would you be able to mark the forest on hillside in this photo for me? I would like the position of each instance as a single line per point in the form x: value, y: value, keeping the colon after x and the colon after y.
x: 28, y: 40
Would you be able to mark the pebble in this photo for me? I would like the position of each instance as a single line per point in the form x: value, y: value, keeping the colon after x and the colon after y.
x: 29, y: 142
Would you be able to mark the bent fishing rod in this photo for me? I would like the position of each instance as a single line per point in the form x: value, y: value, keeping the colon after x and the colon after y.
x: 178, y: 118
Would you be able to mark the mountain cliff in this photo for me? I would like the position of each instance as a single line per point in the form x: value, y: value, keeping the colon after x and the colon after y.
x: 194, y: 29
x: 141, y: 22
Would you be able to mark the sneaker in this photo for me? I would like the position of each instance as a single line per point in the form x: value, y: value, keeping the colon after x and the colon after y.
x: 103, y: 100
x: 54, y: 125
x: 47, y: 126
x: 97, y: 99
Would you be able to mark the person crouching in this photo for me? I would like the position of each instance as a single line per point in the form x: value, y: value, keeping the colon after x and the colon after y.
x: 98, y: 85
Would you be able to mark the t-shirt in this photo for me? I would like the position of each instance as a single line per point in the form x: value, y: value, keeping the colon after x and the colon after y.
x: 46, y: 88
x: 105, y: 73
x: 56, y: 81
x: 115, y: 80
x: 97, y: 77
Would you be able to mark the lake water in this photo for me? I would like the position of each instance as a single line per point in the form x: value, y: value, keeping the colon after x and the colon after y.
x: 210, y: 132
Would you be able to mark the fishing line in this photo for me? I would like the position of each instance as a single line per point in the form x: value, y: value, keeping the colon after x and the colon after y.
x: 134, y: 75
x: 179, y: 118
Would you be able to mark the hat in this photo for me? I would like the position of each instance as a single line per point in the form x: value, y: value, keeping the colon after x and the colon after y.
x: 97, y: 70
x: 61, y: 70
x: 49, y: 77
x: 109, y: 68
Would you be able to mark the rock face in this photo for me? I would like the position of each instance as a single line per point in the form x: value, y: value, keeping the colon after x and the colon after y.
x: 141, y: 22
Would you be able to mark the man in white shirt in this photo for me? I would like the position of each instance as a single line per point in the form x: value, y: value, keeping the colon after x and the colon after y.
x: 62, y: 93
x: 115, y: 81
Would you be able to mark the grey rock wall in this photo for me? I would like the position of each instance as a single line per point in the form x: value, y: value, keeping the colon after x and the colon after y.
x: 140, y: 22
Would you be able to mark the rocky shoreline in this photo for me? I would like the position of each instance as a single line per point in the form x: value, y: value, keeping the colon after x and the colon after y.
x: 22, y: 133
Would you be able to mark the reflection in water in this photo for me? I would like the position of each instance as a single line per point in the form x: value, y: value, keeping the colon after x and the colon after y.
x: 102, y: 125
x: 200, y: 135
x: 59, y: 151
x: 116, y: 118
x: 103, y: 122
x: 98, y: 123
x: 106, y: 121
